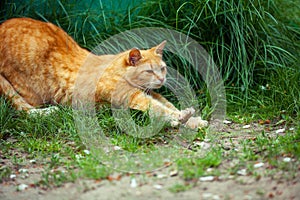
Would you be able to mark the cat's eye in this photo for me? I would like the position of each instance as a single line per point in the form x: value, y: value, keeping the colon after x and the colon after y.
x: 149, y: 71
x: 163, y: 68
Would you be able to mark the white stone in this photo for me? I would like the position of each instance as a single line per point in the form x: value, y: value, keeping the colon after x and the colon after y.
x: 87, y: 152
x: 12, y: 176
x: 206, y: 178
x: 117, y: 148
x: 210, y: 169
x: 174, y: 173
x: 246, y: 126
x: 227, y: 122
x: 242, y: 172
x: 160, y: 176
x: 287, y: 159
x: 133, y: 183
x: 22, y: 187
x: 280, y: 130
x: 258, y: 165
x: 158, y: 187
x: 23, y: 170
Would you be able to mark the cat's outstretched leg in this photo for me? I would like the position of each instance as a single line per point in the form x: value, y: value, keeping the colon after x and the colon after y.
x: 143, y: 102
x: 184, y: 115
x: 8, y: 90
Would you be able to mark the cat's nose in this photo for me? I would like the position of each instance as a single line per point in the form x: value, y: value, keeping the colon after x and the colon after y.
x: 162, y: 80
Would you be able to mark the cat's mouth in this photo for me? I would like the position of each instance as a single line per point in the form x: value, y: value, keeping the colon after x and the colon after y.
x: 156, y: 86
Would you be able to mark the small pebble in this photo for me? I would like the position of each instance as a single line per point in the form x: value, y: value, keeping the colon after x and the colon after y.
x: 174, y: 173
x: 158, y: 187
x: 280, y: 130
x: 22, y: 187
x: 133, y: 183
x: 210, y: 169
x: 117, y: 148
x: 32, y: 161
x: 242, y: 172
x: 246, y: 126
x: 227, y: 122
x: 258, y: 165
x: 23, y: 170
x: 206, y: 178
x: 87, y: 152
x: 204, y: 145
x: 12, y: 176
x: 78, y: 156
x: 160, y: 176
x: 210, y: 196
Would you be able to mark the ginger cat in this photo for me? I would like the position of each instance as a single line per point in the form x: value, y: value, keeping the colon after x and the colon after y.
x: 39, y: 64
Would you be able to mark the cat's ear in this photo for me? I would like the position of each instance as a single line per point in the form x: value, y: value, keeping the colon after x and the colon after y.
x: 134, y: 56
x: 159, y: 48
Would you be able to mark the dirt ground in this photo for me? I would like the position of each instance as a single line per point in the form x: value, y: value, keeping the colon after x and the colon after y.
x: 157, y: 186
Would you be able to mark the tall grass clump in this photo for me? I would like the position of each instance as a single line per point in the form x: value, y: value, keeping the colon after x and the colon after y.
x: 255, y: 43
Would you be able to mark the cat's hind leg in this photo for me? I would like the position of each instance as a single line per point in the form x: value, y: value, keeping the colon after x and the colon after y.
x: 8, y: 90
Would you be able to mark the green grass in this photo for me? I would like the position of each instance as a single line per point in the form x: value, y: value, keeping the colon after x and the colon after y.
x: 255, y: 45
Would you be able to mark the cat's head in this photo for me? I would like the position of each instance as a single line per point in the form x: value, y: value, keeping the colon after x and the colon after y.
x: 146, y: 69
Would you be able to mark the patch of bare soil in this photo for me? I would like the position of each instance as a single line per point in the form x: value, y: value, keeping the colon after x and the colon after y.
x: 158, y: 188
x: 159, y: 184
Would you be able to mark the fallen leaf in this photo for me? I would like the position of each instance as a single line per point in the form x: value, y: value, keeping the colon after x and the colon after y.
x: 267, y: 121
x: 271, y: 195
x: 113, y: 178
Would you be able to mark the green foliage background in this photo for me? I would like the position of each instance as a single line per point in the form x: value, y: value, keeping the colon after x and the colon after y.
x: 255, y: 43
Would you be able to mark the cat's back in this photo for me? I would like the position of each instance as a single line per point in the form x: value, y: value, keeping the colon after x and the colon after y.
x: 38, y: 59
x: 29, y: 41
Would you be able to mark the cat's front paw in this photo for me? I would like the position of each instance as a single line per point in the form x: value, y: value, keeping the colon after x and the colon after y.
x: 196, y: 122
x: 186, y: 114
